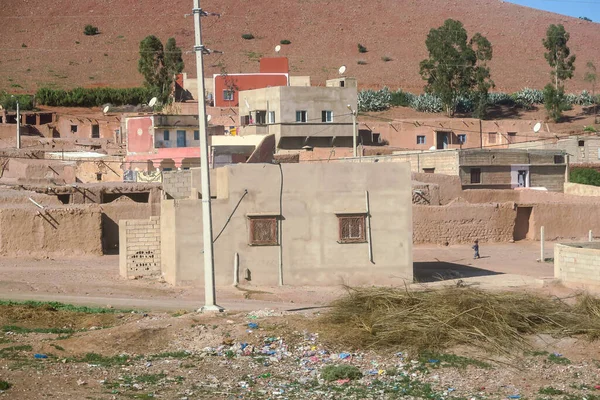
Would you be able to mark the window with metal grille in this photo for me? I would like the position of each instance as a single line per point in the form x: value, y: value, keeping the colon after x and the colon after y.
x: 462, y: 138
x: 420, y: 139
x: 263, y: 231
x: 228, y: 95
x: 352, y: 228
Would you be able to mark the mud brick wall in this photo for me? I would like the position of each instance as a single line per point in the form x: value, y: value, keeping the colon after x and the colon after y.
x: 460, y: 222
x: 177, y: 184
x: 139, y: 247
x: 577, y: 263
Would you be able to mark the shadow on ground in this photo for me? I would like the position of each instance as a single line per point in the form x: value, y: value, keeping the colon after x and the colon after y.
x: 433, y: 271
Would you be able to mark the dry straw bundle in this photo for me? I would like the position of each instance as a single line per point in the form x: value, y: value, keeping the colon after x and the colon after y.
x: 439, y: 319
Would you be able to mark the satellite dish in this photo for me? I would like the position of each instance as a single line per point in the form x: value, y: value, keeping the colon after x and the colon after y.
x: 152, y: 102
x: 432, y: 148
x: 342, y: 70
x: 537, y: 127
x: 208, y: 118
x: 277, y: 49
x: 105, y: 110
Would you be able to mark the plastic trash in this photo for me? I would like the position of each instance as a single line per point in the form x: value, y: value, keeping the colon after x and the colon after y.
x: 433, y: 361
x: 343, y: 356
x: 253, y: 325
x: 514, y: 396
x: 40, y: 356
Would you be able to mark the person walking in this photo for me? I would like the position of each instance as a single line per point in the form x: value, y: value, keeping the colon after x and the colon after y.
x: 476, y: 249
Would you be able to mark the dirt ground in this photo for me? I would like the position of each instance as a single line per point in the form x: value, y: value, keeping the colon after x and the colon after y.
x: 167, y: 350
x: 96, y: 281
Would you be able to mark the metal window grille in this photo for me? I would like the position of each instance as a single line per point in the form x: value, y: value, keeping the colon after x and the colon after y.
x: 352, y: 229
x: 263, y: 231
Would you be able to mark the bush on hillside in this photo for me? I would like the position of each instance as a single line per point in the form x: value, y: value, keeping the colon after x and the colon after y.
x: 247, y: 36
x: 9, y: 102
x: 374, y: 100
x: 90, y: 30
x: 285, y: 41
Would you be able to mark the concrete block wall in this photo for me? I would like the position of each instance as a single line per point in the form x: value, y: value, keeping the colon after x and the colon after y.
x: 139, y: 247
x: 177, y: 184
x: 552, y: 177
x: 577, y: 263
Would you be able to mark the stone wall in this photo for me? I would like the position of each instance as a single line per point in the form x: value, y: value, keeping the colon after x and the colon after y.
x: 577, y: 263
x: 460, y: 222
x: 139, y: 247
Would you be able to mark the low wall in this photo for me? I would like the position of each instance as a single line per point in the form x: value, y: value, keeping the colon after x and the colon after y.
x: 121, y: 209
x: 578, y: 189
x: 577, y: 263
x: 463, y: 223
x: 565, y: 220
x: 139, y: 243
x: 449, y: 185
x: 28, y: 231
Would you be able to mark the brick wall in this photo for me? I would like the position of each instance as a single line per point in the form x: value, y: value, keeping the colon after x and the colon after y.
x: 139, y: 247
x: 577, y: 262
x: 463, y: 223
x: 177, y: 184
x: 552, y: 177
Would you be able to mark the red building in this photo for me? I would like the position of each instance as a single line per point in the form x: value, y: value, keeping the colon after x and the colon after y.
x: 273, y: 72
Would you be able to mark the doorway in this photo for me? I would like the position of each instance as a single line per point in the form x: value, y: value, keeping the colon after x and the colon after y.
x: 181, y: 139
x: 442, y: 140
x: 522, y: 223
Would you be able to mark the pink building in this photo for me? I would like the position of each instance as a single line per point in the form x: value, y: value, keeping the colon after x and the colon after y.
x: 163, y: 142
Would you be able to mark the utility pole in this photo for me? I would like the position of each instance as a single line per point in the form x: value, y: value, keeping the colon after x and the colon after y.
x: 209, y: 261
x: 18, y: 126
x: 353, y: 130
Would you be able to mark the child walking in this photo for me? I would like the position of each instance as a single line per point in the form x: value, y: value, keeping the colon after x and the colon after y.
x: 476, y: 249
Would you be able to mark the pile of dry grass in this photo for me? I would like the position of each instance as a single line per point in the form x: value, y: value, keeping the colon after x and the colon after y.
x: 443, y: 318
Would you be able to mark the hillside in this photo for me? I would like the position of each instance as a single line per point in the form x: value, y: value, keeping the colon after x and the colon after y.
x: 43, y: 41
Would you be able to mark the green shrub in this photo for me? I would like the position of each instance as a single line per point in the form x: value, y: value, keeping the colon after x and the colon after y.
x: 590, y: 129
x: 585, y: 176
x: 386, y: 59
x: 500, y: 98
x: 247, y: 36
x: 361, y: 62
x: 400, y: 98
x: 90, y: 30
x: 285, y: 41
x: 527, y: 97
x: 80, y: 97
x: 362, y: 49
x: 4, y: 385
x: 336, y: 372
x: 9, y: 102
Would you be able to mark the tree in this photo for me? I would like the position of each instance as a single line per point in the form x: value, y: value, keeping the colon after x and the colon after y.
x: 457, y: 67
x: 591, y: 77
x: 563, y: 65
x: 559, y: 55
x: 585, y: 19
x: 159, y: 65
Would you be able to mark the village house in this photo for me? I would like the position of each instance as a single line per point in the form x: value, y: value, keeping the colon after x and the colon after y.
x: 300, y: 117
x: 300, y: 224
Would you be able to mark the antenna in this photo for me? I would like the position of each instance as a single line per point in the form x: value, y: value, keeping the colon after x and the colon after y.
x: 342, y: 70
x: 105, y: 110
x: 537, y: 127
x: 152, y: 102
x: 277, y: 49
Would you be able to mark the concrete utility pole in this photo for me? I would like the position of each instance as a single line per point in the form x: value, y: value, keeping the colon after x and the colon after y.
x: 209, y: 261
x: 542, y: 238
x: 18, y: 126
x: 354, y: 112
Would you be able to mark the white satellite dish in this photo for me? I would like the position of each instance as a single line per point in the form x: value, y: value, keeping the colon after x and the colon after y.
x: 208, y: 118
x: 277, y: 49
x: 105, y: 110
x: 432, y: 148
x: 152, y: 102
x: 342, y: 70
x: 537, y: 127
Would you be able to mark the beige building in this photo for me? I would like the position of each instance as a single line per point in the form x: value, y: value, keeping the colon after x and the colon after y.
x: 317, y: 224
x: 300, y: 116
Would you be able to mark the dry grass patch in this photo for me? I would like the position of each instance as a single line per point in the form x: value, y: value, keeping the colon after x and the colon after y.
x: 440, y: 319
